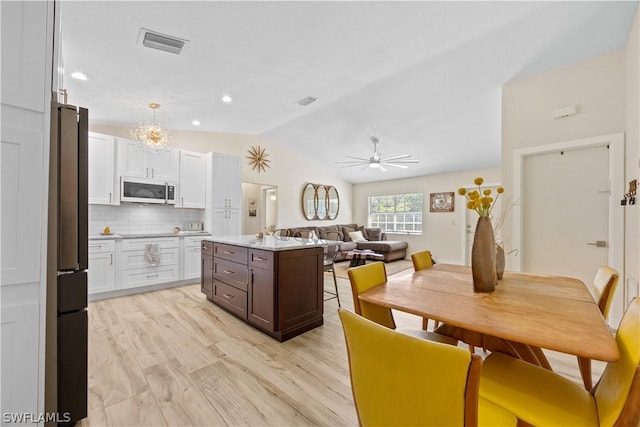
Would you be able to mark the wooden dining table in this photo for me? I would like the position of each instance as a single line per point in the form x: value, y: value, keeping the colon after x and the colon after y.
x: 549, y: 312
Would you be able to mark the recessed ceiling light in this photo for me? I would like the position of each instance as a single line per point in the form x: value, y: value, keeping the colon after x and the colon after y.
x: 227, y: 99
x: 196, y: 122
x: 79, y: 76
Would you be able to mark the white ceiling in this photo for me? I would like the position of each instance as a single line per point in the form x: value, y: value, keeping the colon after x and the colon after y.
x: 424, y: 77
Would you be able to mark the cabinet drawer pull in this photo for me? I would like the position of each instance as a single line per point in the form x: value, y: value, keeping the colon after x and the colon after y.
x: 95, y: 246
x: 257, y: 258
x: 228, y: 252
x: 227, y: 272
x: 227, y: 296
x: 149, y: 276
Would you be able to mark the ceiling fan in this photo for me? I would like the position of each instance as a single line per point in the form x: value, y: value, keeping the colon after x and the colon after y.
x: 376, y: 161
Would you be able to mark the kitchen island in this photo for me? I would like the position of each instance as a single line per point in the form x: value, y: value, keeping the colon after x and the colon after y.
x: 274, y: 284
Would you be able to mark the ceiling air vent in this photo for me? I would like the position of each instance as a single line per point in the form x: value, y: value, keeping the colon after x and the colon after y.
x: 161, y: 41
x: 306, y: 101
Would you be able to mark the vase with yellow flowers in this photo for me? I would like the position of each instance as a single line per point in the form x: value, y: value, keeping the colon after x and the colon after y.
x: 483, y: 251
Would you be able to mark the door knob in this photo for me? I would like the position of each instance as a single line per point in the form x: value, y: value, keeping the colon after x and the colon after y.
x: 598, y: 243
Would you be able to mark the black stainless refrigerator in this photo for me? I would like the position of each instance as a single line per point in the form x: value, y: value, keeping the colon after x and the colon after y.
x: 67, y: 329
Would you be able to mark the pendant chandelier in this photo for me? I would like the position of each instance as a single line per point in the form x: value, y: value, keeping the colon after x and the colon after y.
x: 151, y: 134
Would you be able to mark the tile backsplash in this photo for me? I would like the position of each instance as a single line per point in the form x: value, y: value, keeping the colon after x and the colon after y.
x: 132, y: 218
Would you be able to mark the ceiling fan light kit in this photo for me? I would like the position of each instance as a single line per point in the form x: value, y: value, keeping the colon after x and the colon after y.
x: 376, y: 161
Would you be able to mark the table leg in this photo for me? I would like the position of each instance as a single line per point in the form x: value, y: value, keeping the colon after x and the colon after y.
x: 585, y: 371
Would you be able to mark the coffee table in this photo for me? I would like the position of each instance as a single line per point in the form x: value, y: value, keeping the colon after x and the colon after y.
x: 359, y: 257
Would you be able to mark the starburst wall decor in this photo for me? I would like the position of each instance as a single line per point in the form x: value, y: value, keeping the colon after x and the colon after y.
x: 258, y: 159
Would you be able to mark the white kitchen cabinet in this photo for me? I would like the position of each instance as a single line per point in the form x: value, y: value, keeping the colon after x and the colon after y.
x: 27, y: 49
x: 103, y: 189
x: 224, y: 194
x: 134, y: 270
x: 101, y: 275
x: 226, y: 222
x: 24, y: 62
x: 191, y: 185
x: 135, y: 160
x: 226, y: 181
x: 191, y: 257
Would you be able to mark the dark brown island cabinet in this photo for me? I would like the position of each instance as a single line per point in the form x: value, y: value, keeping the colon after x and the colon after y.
x: 274, y: 285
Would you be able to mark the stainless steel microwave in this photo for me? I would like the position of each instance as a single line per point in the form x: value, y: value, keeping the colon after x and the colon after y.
x: 145, y: 190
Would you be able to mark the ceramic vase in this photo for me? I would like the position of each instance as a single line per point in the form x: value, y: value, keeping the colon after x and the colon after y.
x: 483, y: 257
x: 499, y: 261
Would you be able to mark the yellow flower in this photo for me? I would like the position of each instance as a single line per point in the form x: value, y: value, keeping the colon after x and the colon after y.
x: 480, y: 200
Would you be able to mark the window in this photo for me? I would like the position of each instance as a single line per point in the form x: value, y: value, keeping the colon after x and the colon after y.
x: 400, y: 213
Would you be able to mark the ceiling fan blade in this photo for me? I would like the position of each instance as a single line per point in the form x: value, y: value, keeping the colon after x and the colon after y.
x: 365, y: 167
x: 354, y: 164
x: 357, y: 158
x: 405, y: 161
x: 402, y: 156
x: 396, y: 165
x: 382, y: 168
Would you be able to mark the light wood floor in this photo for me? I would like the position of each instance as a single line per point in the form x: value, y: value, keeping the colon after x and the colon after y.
x: 172, y: 358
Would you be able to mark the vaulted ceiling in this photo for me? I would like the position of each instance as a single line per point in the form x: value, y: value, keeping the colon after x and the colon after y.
x: 423, y: 77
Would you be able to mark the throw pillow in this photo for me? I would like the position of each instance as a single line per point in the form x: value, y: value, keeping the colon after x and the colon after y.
x: 345, y: 233
x: 375, y: 234
x: 357, y: 236
x: 364, y: 232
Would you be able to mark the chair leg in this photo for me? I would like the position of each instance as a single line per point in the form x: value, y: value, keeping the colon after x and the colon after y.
x: 335, y: 282
x: 425, y: 324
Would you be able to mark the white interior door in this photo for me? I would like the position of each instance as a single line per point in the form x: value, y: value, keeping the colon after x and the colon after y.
x: 565, y: 201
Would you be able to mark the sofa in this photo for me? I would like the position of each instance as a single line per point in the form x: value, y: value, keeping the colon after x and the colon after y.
x: 374, y: 239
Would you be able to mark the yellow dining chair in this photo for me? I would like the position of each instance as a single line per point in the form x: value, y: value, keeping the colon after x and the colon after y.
x: 541, y: 397
x: 365, y: 277
x: 603, y: 287
x: 423, y: 260
x: 401, y: 380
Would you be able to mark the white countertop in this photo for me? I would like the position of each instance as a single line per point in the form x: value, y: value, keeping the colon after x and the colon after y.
x: 270, y: 243
x: 147, y: 235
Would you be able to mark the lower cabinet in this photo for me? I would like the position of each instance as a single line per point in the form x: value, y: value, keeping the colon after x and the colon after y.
x: 261, y: 290
x: 118, y: 264
x: 279, y: 292
x: 206, y: 269
x: 101, y: 273
x: 149, y: 261
x: 191, y: 257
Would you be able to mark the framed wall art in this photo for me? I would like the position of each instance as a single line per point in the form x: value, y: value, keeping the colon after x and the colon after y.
x: 442, y: 202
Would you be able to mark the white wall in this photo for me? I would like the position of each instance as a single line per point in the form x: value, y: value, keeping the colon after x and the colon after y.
x: 289, y: 172
x: 443, y: 232
x: 632, y: 169
x: 596, y: 86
